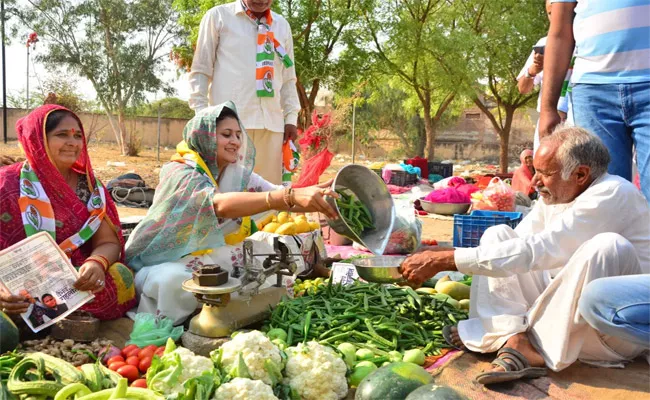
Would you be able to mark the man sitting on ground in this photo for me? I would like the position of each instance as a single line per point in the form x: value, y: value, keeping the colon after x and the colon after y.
x: 528, y: 281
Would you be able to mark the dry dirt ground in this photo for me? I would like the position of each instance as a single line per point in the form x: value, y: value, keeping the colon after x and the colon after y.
x: 148, y: 167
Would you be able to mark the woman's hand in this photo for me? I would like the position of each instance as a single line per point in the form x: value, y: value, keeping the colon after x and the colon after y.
x: 311, y: 199
x: 10, y: 304
x: 91, y: 277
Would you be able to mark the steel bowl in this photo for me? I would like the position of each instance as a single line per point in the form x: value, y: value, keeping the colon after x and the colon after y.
x: 380, y: 269
x: 371, y: 190
x: 444, y: 208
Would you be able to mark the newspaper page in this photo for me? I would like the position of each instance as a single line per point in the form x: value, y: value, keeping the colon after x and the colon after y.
x: 37, y: 269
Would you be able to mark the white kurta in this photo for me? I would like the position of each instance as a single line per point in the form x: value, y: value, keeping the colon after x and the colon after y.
x: 530, y: 279
x: 224, y: 67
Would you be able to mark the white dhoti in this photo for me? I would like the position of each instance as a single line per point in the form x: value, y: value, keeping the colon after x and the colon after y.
x: 545, y: 304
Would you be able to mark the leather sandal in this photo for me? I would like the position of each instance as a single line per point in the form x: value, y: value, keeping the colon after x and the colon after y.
x: 516, y: 367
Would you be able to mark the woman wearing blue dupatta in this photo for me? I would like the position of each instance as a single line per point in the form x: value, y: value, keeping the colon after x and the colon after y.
x: 202, y: 209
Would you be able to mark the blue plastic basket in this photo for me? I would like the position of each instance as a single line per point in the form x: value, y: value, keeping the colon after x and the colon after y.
x: 468, y: 229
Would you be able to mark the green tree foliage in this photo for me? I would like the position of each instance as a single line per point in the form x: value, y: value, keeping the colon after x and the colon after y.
x: 170, y: 107
x: 409, y: 40
x: 498, y: 37
x: 118, y: 45
x: 322, y: 30
x: 56, y: 89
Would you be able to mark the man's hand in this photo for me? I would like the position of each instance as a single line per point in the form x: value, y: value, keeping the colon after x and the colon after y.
x: 548, y: 120
x: 290, y: 132
x: 538, y: 65
x: 424, y: 265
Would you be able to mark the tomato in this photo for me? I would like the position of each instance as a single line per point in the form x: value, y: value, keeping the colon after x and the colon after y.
x: 160, y: 351
x: 114, y: 359
x: 147, y: 351
x: 133, y: 360
x: 139, y: 383
x: 144, y: 365
x: 116, y: 365
x: 128, y: 349
x: 130, y: 372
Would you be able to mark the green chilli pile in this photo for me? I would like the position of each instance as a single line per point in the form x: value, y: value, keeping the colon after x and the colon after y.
x: 376, y: 317
x: 354, y: 212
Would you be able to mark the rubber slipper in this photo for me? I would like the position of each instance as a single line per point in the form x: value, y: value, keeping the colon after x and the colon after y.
x: 516, y: 367
x: 446, y: 334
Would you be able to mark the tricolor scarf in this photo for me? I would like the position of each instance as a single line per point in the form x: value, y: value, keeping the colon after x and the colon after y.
x: 190, y: 157
x: 266, y: 44
x: 38, y: 215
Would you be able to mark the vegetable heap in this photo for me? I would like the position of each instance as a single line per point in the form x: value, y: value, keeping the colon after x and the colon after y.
x: 377, y: 318
x: 353, y: 212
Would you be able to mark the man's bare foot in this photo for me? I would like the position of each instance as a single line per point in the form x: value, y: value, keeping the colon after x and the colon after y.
x: 521, y: 343
x: 455, y: 338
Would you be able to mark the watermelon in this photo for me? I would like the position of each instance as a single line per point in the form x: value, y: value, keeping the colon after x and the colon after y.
x: 8, y: 334
x: 392, y: 382
x: 435, y: 392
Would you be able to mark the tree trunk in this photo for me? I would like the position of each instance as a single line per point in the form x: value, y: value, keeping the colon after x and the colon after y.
x: 504, y: 139
x: 114, y: 127
x: 422, y: 138
x: 121, y: 121
x: 430, y: 129
x: 304, y: 117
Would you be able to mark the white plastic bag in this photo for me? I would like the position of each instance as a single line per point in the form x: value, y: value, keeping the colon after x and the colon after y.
x: 407, y: 230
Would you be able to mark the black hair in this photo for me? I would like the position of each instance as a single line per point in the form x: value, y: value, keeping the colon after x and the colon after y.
x: 47, y: 294
x: 227, y: 113
x: 55, y: 118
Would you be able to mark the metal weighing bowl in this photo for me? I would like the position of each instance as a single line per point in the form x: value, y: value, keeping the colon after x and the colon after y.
x: 444, y: 208
x: 380, y: 269
x: 371, y: 190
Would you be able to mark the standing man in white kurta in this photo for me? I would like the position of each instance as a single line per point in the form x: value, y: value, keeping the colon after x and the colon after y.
x: 528, y: 281
x: 244, y: 53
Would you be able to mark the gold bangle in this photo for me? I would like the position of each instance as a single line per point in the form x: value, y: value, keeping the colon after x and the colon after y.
x: 268, y: 200
x: 287, y: 198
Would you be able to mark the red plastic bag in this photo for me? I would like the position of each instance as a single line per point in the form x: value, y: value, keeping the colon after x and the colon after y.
x: 314, y: 168
x: 448, y: 195
x: 498, y: 196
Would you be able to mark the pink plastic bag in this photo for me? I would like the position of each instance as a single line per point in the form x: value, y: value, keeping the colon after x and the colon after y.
x: 448, y: 195
x: 497, y: 196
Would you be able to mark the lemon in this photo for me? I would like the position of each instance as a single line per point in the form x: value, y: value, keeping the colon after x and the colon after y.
x: 288, y: 228
x: 283, y: 217
x: 302, y: 226
x: 314, y: 226
x: 271, y: 227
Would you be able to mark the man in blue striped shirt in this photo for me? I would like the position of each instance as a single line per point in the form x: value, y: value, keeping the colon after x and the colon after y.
x: 611, y: 76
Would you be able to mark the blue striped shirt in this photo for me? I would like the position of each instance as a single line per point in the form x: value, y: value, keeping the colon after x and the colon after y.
x: 612, y: 41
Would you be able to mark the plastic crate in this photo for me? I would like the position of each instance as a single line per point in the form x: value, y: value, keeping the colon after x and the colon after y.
x: 442, y: 169
x: 402, y: 178
x: 468, y: 229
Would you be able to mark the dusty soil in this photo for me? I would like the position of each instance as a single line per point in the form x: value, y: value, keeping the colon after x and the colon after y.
x: 148, y: 167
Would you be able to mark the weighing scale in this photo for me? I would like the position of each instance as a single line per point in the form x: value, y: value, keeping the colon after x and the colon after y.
x: 239, y: 302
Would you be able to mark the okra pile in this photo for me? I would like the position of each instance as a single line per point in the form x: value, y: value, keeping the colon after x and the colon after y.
x: 354, y: 212
x: 381, y: 318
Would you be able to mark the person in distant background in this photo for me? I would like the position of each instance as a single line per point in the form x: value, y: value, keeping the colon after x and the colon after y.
x: 522, y: 180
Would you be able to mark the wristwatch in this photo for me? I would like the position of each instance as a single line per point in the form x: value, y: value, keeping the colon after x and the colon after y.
x: 528, y: 75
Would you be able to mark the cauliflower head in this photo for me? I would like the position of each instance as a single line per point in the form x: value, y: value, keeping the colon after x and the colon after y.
x: 255, y: 348
x: 316, y: 372
x: 180, y: 361
x: 244, y: 389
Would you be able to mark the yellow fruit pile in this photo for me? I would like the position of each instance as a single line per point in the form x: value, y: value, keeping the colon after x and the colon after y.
x: 287, y: 224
